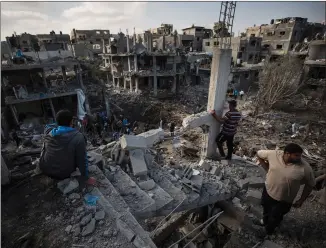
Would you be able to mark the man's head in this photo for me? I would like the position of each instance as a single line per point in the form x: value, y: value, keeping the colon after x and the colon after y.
x: 232, y: 104
x: 293, y: 153
x: 64, y: 118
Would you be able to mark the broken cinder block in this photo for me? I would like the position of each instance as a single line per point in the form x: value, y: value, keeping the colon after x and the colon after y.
x: 147, y: 185
x: 215, y: 170
x: 152, y: 136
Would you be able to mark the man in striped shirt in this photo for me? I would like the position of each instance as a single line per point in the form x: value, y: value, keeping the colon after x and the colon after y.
x: 230, y: 123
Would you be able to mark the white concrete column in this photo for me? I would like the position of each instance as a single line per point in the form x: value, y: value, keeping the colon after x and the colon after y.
x: 155, y: 77
x: 130, y: 82
x: 124, y: 83
x: 113, y: 81
x: 118, y: 83
x: 128, y: 51
x: 135, y: 63
x: 136, y: 84
x: 220, y: 70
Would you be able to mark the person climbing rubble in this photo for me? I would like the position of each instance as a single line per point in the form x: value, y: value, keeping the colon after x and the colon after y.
x: 64, y: 150
x: 230, y: 123
x: 286, y: 172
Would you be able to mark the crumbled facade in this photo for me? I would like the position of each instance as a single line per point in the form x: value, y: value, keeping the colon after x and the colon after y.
x: 198, y: 33
x: 135, y: 65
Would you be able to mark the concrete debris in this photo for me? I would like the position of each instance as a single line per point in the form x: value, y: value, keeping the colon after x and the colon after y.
x: 215, y: 170
x: 243, y: 183
x: 68, y: 229
x: 197, y: 120
x: 76, y: 173
x: 256, y: 182
x: 86, y: 219
x: 125, y: 229
x: 76, y: 231
x: 254, y: 196
x: 152, y: 136
x: 74, y: 196
x: 205, y: 165
x: 100, y: 215
x: 68, y: 185
x: 147, y: 185
x: 131, y: 142
x: 138, y: 163
x: 90, y: 228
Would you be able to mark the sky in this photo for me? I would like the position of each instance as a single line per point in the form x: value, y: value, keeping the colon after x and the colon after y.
x: 43, y: 17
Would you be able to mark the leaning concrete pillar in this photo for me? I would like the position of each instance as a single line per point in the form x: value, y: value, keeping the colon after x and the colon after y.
x: 220, y: 70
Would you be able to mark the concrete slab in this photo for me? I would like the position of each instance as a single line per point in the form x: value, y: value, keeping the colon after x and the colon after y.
x: 160, y: 197
x: 215, y: 171
x: 152, y: 136
x: 197, y: 120
x: 138, y: 163
x: 137, y: 199
x: 147, y: 185
x: 131, y: 142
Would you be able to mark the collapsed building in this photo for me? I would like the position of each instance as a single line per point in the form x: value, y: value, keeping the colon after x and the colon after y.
x: 137, y: 66
x: 284, y: 35
x: 35, y: 92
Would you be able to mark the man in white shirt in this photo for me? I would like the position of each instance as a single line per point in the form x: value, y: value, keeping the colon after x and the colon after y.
x: 286, y: 172
x: 241, y: 94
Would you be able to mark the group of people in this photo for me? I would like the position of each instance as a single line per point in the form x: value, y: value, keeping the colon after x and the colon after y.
x: 286, y: 172
x: 233, y: 93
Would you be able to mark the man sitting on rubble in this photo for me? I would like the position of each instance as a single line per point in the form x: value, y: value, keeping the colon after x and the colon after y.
x: 286, y: 172
x: 230, y: 123
x: 64, y: 150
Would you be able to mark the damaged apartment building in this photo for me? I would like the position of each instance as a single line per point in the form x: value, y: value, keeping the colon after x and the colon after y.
x: 34, y: 92
x: 284, y: 35
x: 137, y: 65
x: 246, y: 59
x: 89, y: 42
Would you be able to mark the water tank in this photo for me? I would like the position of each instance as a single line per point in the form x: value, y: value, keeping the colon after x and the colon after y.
x: 317, y: 50
x: 272, y: 21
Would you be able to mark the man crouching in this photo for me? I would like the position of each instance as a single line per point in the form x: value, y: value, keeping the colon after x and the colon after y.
x: 64, y: 150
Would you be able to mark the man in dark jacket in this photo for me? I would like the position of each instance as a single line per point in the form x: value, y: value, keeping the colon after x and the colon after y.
x: 64, y: 149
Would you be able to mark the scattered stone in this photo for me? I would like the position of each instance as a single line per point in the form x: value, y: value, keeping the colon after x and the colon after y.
x: 91, y: 240
x: 107, y: 233
x: 68, y: 229
x: 48, y: 218
x: 115, y: 233
x: 77, y: 230
x: 243, y: 183
x: 254, y: 196
x: 100, y: 215
x: 76, y: 173
x: 147, y: 185
x: 67, y: 186
x: 74, y: 196
x: 80, y: 209
x: 215, y: 170
x: 101, y: 222
x: 86, y: 219
x: 90, y: 228
x: 205, y: 165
